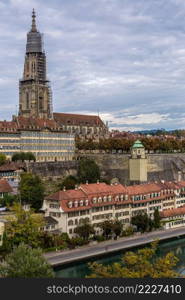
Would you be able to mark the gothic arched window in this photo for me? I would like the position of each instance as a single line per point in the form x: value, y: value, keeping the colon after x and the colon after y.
x: 27, y: 100
x: 41, y: 104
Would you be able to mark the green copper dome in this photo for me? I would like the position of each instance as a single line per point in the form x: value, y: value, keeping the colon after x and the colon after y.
x: 138, y: 144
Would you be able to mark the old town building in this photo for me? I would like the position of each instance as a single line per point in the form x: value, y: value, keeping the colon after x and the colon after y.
x: 98, y: 202
x: 43, y: 137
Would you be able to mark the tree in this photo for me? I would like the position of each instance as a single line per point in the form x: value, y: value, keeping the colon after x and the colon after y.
x: 107, y: 227
x: 117, y: 228
x: 31, y: 190
x: 23, y: 156
x: 69, y: 182
x: 142, y: 221
x: 25, y: 262
x: 8, y: 200
x: 2, y: 158
x: 84, y: 230
x: 23, y: 227
x: 88, y: 170
x: 140, y: 264
x: 157, y: 219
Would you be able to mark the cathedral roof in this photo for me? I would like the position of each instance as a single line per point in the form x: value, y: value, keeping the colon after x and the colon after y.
x: 76, y: 119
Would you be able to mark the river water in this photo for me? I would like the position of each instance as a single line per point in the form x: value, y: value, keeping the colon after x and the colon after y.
x: 80, y: 269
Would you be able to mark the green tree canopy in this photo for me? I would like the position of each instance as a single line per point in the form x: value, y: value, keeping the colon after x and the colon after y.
x: 23, y: 156
x: 25, y: 262
x: 157, y: 219
x: 117, y: 228
x: 69, y: 182
x: 84, y: 230
x: 142, y: 222
x: 140, y: 264
x: 31, y: 190
x: 23, y: 227
x: 107, y: 227
x: 88, y: 170
x: 2, y: 159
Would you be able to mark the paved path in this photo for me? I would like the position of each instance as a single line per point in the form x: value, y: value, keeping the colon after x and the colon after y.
x: 64, y: 257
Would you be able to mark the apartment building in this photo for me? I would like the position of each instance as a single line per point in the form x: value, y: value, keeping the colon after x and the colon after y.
x: 98, y: 202
x: 43, y: 137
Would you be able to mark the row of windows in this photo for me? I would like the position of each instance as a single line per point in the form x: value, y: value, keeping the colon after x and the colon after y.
x: 168, y: 204
x: 46, y: 141
x: 121, y: 214
x: 102, y: 208
x: 104, y: 216
x: 45, y: 134
x: 78, y: 213
x: 54, y: 206
x: 55, y: 214
x: 38, y: 147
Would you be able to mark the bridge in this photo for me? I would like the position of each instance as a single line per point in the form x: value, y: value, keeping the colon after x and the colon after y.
x: 102, y: 248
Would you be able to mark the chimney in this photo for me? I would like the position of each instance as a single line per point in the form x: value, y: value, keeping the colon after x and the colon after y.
x: 64, y: 188
x: 179, y: 178
x: 76, y: 187
x: 98, y: 181
x: 162, y: 181
x: 87, y: 182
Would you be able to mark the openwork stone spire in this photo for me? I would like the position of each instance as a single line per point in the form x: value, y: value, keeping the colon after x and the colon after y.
x: 33, y: 27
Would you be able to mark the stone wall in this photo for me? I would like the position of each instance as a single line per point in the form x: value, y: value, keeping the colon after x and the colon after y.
x: 160, y: 167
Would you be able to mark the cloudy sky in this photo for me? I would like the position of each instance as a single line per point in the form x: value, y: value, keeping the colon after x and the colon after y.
x: 122, y: 58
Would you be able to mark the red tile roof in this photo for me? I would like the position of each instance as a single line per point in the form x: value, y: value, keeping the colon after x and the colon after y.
x: 12, y: 166
x: 97, y: 190
x: 21, y: 123
x: 76, y: 119
x: 5, y: 186
x: 143, y: 189
x: 173, y: 212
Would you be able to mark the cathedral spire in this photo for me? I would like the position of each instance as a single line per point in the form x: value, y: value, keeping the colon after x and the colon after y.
x: 33, y: 26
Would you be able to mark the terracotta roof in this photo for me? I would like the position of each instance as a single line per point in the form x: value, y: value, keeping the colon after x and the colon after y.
x: 143, y: 189
x: 173, y: 212
x: 21, y: 123
x: 97, y: 190
x: 5, y: 186
x: 76, y: 119
x: 12, y: 166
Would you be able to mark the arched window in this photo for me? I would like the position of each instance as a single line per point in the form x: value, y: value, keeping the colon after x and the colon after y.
x: 41, y: 104
x: 70, y: 223
x: 27, y: 100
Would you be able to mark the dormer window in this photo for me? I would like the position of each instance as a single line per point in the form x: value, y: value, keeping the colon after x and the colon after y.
x: 99, y: 199
x: 117, y: 198
x: 109, y: 198
x: 81, y: 203
x: 105, y: 199
x: 70, y: 204
x: 94, y: 200
x: 86, y: 202
x: 76, y: 203
x: 121, y: 197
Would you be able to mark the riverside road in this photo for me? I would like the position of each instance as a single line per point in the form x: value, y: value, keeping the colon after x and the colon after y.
x: 64, y: 257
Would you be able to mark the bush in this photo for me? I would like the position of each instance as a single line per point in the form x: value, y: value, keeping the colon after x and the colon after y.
x: 99, y: 238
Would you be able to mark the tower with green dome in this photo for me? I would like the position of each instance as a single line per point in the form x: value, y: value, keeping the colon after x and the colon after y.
x: 138, y: 163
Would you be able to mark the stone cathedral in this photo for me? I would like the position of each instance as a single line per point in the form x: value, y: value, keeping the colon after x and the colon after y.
x: 35, y: 98
x: 34, y: 90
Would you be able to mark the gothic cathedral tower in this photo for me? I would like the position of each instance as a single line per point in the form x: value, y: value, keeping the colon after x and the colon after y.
x: 34, y: 91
